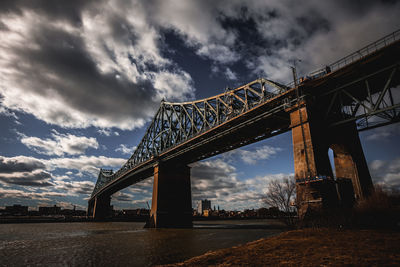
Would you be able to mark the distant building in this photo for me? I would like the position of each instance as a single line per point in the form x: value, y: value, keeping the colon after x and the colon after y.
x: 16, y: 210
x: 206, y: 213
x: 73, y: 212
x: 203, y: 205
x: 54, y: 210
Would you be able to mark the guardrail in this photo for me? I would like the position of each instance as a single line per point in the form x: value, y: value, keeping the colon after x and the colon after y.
x: 363, y: 52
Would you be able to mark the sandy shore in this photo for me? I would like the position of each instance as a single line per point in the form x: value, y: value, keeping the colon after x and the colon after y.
x: 310, y: 247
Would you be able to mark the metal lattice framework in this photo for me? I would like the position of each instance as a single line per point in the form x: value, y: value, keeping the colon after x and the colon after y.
x: 175, y: 123
x: 105, y: 176
x: 373, y: 104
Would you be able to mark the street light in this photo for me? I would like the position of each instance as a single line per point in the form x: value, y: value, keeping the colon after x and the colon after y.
x: 294, y: 71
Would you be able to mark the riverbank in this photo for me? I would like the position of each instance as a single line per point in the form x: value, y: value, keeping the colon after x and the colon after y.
x: 310, y: 247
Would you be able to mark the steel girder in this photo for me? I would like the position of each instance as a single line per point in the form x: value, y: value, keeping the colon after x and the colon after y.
x: 374, y: 103
x: 175, y: 123
x: 105, y: 176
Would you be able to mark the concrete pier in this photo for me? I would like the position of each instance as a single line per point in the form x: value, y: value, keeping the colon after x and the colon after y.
x: 315, y: 183
x: 172, y: 199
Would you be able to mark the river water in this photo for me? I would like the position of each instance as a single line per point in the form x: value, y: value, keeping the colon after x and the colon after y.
x: 121, y: 243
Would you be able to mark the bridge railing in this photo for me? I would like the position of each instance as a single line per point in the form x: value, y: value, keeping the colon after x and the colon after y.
x: 363, y: 52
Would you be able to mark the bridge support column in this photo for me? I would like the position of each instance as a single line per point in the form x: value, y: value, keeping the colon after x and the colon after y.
x: 171, y: 205
x: 350, y: 161
x: 315, y: 183
x: 315, y: 187
x: 89, y: 212
x: 100, y: 209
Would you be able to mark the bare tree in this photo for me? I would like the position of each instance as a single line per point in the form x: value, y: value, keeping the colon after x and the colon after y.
x: 281, y: 194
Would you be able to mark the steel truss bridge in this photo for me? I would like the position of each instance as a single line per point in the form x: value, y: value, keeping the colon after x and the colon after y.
x: 362, y: 88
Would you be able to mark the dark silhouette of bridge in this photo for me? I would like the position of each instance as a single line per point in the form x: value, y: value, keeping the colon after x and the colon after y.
x: 324, y: 110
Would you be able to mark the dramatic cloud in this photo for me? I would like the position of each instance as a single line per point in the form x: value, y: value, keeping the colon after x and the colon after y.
x: 107, y: 132
x: 98, y: 65
x: 19, y: 164
x: 89, y: 164
x: 74, y: 188
x: 4, y: 111
x: 202, y: 31
x: 261, y: 182
x: 386, y: 173
x: 28, y: 171
x: 60, y: 144
x: 122, y: 197
x: 32, y: 173
x: 230, y: 75
x: 252, y: 156
x: 24, y: 171
x: 37, y: 178
x: 125, y: 150
x: 217, y: 181
x: 20, y: 194
x: 135, y: 196
x: 144, y: 187
x: 381, y: 134
x: 310, y: 32
x: 214, y: 180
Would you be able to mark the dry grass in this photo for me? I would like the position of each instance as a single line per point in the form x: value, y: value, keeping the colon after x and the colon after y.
x: 310, y: 247
x: 377, y: 211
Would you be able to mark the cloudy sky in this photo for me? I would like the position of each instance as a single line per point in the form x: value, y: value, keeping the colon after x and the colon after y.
x: 81, y: 80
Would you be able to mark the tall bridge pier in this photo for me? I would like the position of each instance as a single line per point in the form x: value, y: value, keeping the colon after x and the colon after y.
x: 100, y: 208
x: 315, y: 184
x: 171, y: 205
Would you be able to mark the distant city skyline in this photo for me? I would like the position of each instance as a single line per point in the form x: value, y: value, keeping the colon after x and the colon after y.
x: 81, y: 81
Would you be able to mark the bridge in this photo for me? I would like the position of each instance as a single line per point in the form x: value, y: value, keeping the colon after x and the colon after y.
x: 324, y: 110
